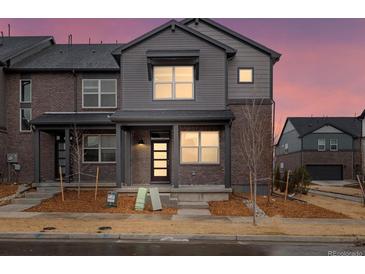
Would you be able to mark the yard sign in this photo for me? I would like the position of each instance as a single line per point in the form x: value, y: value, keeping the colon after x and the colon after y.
x: 141, y: 198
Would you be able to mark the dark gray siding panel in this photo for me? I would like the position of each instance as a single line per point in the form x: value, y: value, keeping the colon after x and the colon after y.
x: 310, y: 142
x: 292, y: 139
x: 2, y: 99
x: 246, y: 56
x: 137, y: 89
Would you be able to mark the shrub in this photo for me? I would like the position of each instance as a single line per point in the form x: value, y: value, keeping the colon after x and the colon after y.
x: 277, y: 178
x: 300, y: 180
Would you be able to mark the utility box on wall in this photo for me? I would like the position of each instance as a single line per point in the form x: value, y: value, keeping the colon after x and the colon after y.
x: 12, y: 157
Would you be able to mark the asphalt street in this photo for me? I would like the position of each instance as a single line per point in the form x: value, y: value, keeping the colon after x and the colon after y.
x: 193, y: 248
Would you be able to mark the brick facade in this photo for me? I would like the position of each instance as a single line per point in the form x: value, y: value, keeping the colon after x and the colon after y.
x: 51, y: 92
x: 351, y: 161
x: 203, y: 174
x: 240, y: 172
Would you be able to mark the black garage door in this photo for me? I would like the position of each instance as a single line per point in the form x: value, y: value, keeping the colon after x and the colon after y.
x: 325, y: 172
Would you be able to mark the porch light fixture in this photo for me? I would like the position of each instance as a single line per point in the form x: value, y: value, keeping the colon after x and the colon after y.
x: 140, y: 142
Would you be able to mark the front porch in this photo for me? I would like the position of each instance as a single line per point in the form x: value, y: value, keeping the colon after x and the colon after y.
x: 148, y: 150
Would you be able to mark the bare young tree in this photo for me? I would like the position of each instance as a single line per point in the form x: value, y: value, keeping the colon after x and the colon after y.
x: 76, y: 155
x: 253, y: 139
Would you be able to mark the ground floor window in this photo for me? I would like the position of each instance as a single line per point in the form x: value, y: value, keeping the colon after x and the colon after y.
x: 99, y: 148
x: 25, y: 117
x: 199, y: 147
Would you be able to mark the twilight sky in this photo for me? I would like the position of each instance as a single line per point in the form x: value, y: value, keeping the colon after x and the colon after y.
x: 321, y: 71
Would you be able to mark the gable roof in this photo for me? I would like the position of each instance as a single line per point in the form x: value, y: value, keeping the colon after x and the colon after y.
x: 64, y: 57
x: 13, y: 46
x: 175, y: 24
x: 307, y: 125
x: 362, y: 116
x: 274, y: 55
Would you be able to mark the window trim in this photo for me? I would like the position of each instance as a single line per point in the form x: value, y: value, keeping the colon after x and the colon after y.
x: 173, y: 83
x: 238, y: 75
x: 334, y: 144
x: 20, y: 119
x: 99, y: 93
x: 324, y: 145
x: 20, y: 91
x: 99, y: 149
x: 200, y: 148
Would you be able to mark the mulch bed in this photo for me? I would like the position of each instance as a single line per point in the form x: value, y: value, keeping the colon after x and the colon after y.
x: 87, y: 204
x: 277, y: 206
x: 233, y: 207
x: 7, y: 190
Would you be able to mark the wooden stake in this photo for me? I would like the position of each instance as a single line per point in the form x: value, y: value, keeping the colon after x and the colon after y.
x: 251, y: 186
x: 362, y: 188
x: 96, y: 182
x: 61, y: 181
x: 287, y: 185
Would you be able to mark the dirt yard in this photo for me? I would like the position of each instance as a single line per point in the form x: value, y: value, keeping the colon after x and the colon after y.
x: 7, y: 190
x: 87, y: 204
x: 233, y: 207
x: 351, y: 209
x: 295, y: 209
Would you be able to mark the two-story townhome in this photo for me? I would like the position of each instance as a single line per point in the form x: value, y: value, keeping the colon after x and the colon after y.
x: 328, y: 147
x: 12, y: 50
x: 161, y: 109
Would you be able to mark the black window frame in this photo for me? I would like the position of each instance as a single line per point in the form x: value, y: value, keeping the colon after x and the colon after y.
x: 238, y: 75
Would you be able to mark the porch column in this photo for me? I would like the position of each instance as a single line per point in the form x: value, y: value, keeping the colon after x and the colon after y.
x: 67, y: 156
x: 127, y: 157
x: 118, y: 155
x: 227, y: 155
x: 175, y: 156
x: 37, y: 156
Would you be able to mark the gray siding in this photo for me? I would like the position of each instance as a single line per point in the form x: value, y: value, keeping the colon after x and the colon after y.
x: 310, y: 142
x: 292, y: 139
x: 137, y: 90
x: 2, y: 99
x: 246, y: 56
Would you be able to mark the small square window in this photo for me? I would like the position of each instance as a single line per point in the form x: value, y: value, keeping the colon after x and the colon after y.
x: 245, y: 75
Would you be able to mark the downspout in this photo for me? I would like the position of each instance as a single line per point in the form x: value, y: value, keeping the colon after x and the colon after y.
x: 75, y: 90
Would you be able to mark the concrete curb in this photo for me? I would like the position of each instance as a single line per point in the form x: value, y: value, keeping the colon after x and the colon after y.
x: 182, y: 237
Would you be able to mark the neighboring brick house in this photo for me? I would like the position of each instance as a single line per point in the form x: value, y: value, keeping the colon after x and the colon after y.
x: 328, y: 147
x: 164, y: 108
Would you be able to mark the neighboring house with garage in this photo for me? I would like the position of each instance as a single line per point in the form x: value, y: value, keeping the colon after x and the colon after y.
x: 328, y: 147
x: 163, y: 109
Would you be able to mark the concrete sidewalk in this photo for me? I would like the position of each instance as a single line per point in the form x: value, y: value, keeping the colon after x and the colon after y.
x: 100, y: 225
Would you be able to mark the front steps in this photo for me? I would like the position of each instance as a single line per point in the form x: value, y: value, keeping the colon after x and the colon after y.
x: 192, y: 205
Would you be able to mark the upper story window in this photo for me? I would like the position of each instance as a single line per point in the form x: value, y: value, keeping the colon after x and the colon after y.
x: 286, y: 148
x: 321, y: 144
x: 99, y: 93
x: 199, y: 147
x: 173, y: 82
x: 333, y: 145
x: 99, y: 148
x: 245, y: 75
x: 25, y: 91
